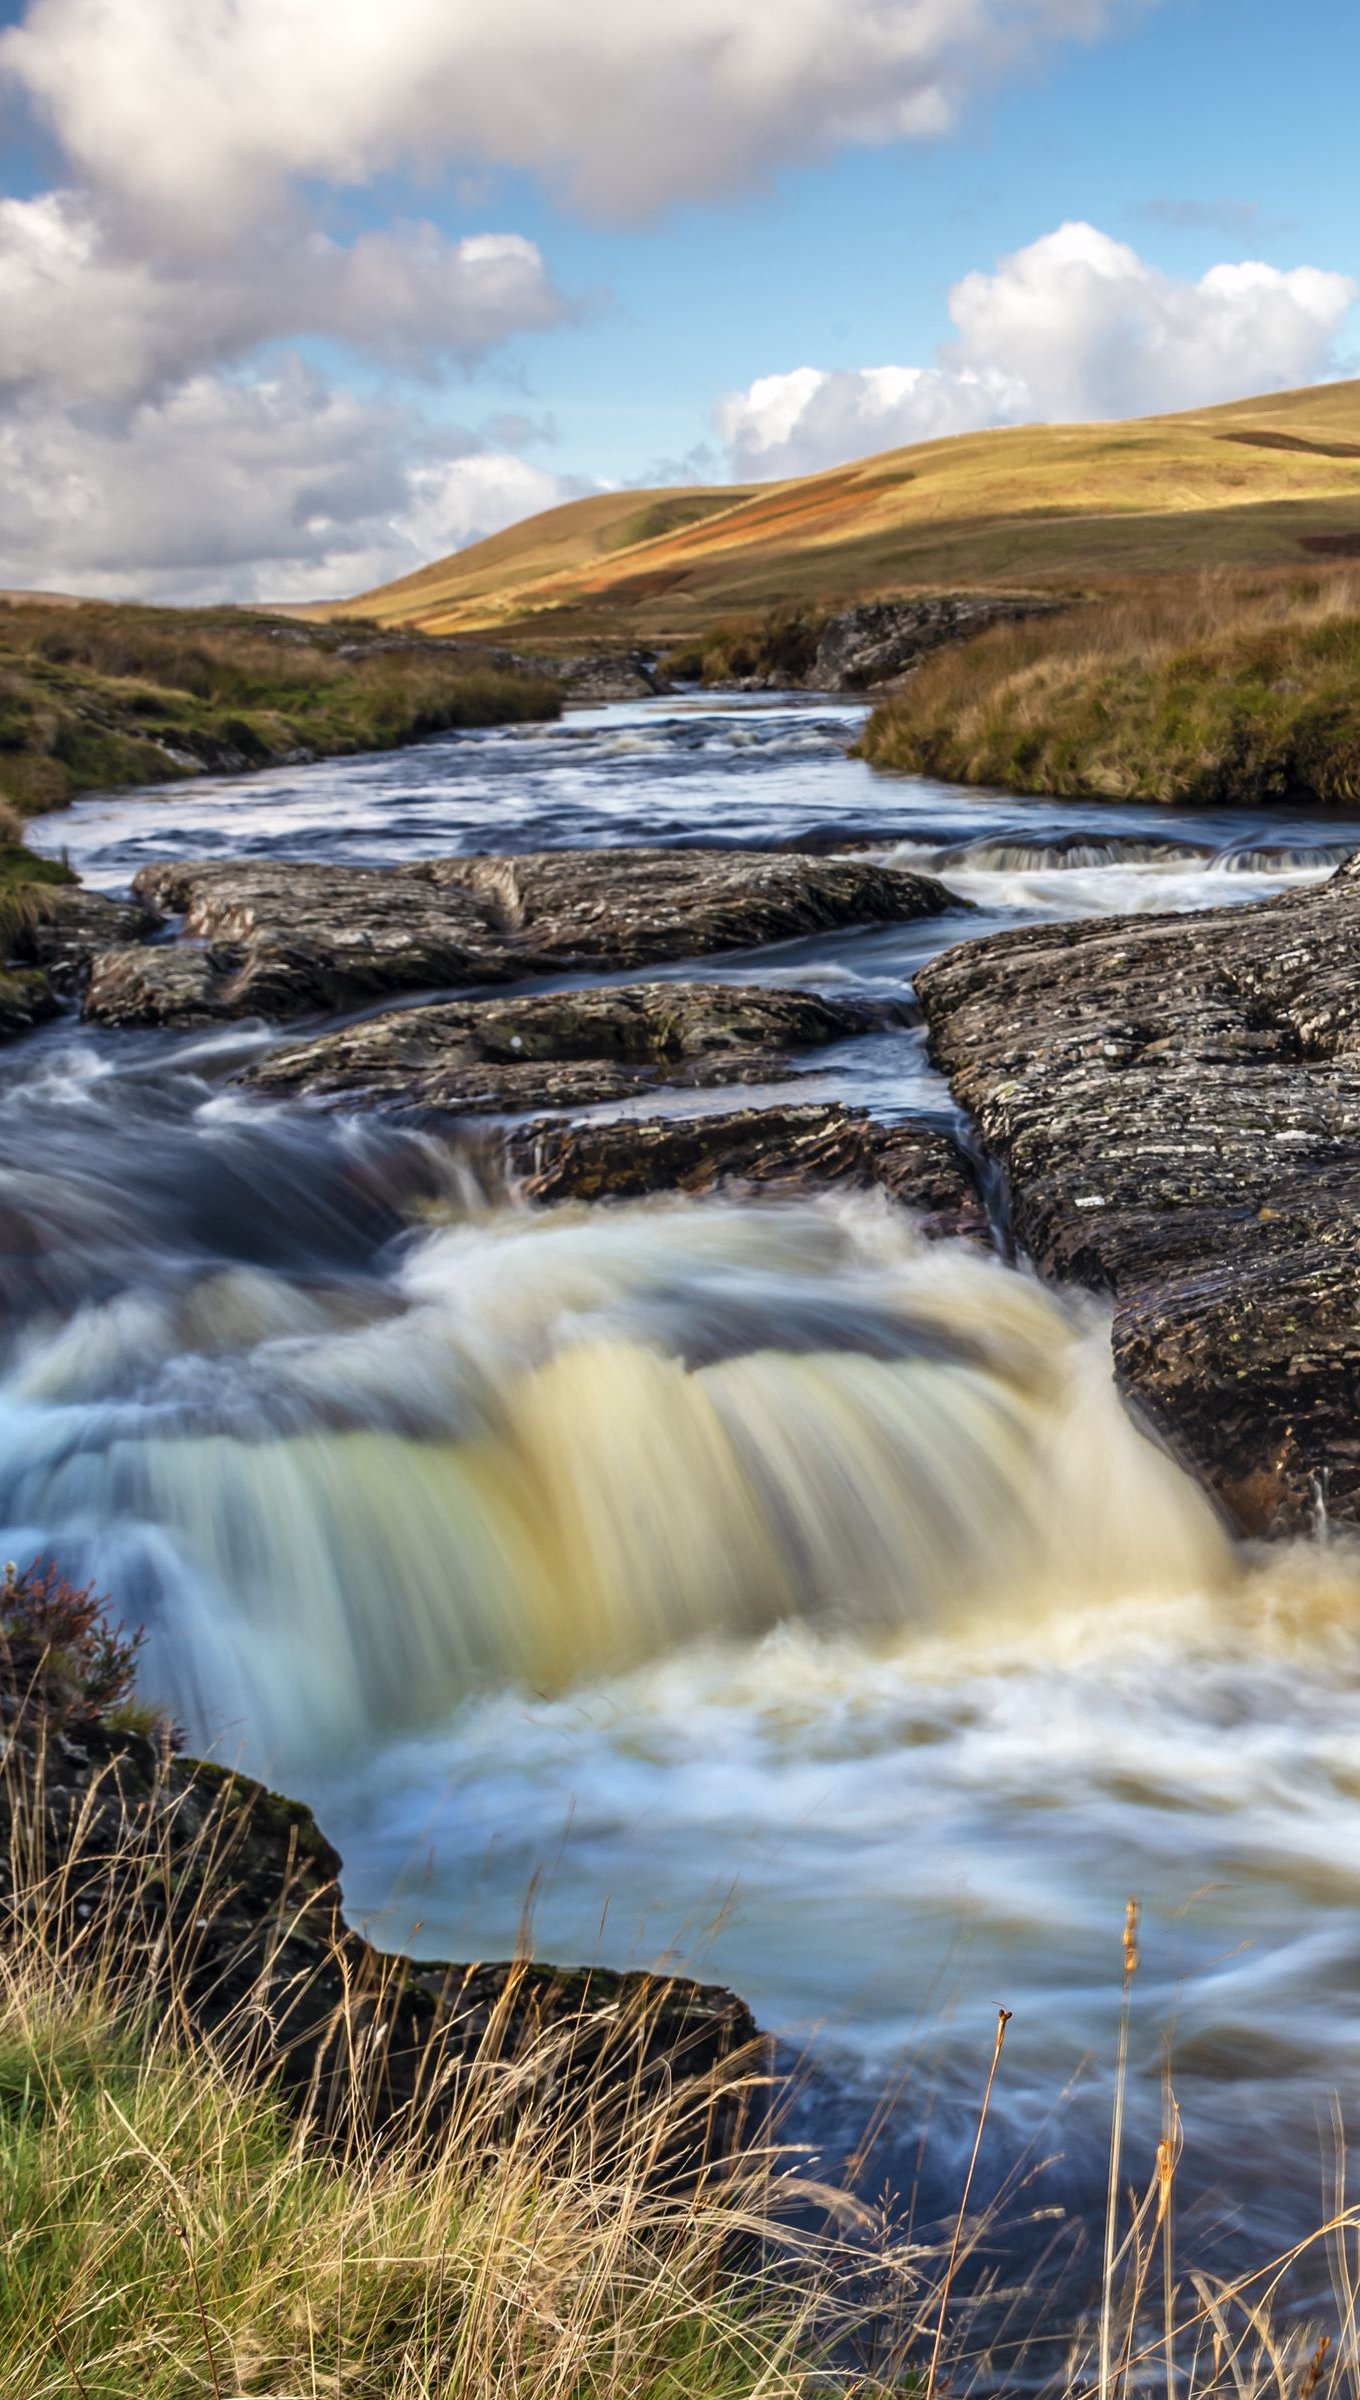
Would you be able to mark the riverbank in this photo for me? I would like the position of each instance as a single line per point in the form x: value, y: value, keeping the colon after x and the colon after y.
x: 98, y: 695
x: 1194, y: 691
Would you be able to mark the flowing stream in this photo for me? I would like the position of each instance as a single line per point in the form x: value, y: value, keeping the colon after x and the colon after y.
x: 755, y: 1588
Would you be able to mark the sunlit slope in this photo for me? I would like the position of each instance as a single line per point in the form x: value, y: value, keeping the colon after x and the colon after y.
x: 562, y: 541
x: 1261, y: 481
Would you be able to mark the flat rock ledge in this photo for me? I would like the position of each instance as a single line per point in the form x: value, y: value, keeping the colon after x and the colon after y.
x: 223, y: 1903
x: 285, y: 939
x: 1176, y: 1102
x: 778, y: 1152
x: 563, y: 1049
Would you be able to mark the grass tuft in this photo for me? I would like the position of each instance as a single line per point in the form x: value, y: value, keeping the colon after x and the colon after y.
x: 1196, y: 690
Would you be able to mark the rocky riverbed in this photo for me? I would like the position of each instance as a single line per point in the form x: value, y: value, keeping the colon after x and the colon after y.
x: 494, y: 1281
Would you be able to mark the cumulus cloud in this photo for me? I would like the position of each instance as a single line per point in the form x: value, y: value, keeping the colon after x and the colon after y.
x: 152, y: 439
x: 210, y: 112
x: 1092, y: 330
x: 277, y: 488
x: 817, y: 417
x: 1074, y: 326
x: 94, y: 318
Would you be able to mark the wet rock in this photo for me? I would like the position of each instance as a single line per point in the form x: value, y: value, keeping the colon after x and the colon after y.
x: 1177, y: 1104
x: 784, y: 1151
x: 566, y: 1049
x: 282, y: 939
x: 884, y: 638
x: 222, y: 1901
x: 51, y: 930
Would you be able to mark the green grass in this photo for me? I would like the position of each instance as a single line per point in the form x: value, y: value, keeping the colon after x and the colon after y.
x: 93, y: 697
x: 1188, y: 690
x: 26, y: 883
x: 167, y: 2230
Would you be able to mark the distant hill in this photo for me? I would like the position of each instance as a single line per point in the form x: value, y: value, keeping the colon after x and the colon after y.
x: 1258, y: 482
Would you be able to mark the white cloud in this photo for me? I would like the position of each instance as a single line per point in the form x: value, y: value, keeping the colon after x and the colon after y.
x: 279, y: 488
x: 208, y: 111
x: 1074, y: 326
x: 1092, y: 330
x: 133, y: 459
x: 93, y: 318
x: 816, y: 417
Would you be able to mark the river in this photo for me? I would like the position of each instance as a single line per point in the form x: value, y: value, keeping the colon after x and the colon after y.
x: 751, y: 1588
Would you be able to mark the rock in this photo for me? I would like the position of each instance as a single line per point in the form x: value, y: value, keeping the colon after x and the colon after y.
x: 883, y: 638
x: 588, y: 679
x: 75, y: 925
x: 564, y: 1049
x: 281, y: 939
x: 49, y: 933
x: 589, y: 682
x: 1176, y: 1102
x: 222, y: 1901
x: 788, y: 1151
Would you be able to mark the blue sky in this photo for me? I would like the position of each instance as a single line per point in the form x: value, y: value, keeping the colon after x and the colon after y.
x: 850, y: 264
x: 294, y: 293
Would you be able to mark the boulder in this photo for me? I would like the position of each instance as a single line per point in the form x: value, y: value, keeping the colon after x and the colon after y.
x: 1176, y: 1104
x: 26, y: 999
x: 563, y: 1049
x: 882, y: 639
x: 283, y: 938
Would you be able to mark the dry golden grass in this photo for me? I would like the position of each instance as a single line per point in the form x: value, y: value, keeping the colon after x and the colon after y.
x: 1200, y: 689
x: 1260, y: 482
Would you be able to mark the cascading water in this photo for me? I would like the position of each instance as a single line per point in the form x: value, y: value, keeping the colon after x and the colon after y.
x: 570, y: 1443
x: 797, y: 1594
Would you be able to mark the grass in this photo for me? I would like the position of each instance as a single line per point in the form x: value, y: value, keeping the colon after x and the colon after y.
x: 1200, y: 689
x: 1272, y: 481
x: 169, y: 2230
x: 95, y: 696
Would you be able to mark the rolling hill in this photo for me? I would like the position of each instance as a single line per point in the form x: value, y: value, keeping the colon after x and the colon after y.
x: 1270, y: 481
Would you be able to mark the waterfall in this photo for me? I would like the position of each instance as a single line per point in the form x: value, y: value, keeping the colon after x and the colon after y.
x: 572, y: 1442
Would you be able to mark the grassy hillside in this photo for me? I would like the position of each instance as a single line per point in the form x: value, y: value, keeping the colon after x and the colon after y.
x: 1202, y: 689
x: 94, y: 695
x: 1259, y: 482
x: 474, y: 585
